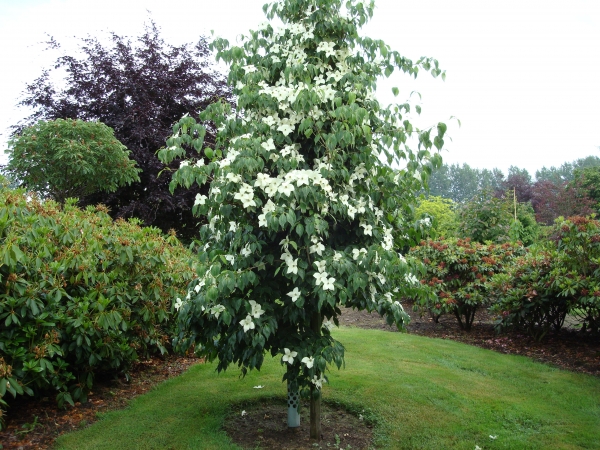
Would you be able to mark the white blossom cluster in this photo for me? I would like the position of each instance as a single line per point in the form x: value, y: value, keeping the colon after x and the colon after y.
x: 256, y: 312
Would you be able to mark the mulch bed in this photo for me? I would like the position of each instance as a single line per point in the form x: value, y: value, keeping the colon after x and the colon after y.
x: 264, y: 425
x: 35, y: 423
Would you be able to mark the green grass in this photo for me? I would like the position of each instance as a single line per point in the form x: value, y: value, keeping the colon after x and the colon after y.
x: 427, y: 394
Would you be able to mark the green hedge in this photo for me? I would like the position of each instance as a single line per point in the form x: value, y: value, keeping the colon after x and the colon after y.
x: 80, y: 294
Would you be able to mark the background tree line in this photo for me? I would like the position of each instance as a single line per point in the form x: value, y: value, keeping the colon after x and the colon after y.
x: 571, y: 189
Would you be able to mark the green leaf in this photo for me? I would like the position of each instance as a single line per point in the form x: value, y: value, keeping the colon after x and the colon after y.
x: 17, y: 254
x: 395, y: 91
x: 212, y: 294
x: 291, y: 218
x: 282, y: 220
x: 226, y: 317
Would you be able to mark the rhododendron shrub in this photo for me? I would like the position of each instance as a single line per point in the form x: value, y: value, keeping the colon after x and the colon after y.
x: 526, y: 299
x: 457, y: 274
x: 81, y: 294
x: 303, y: 207
x: 561, y: 278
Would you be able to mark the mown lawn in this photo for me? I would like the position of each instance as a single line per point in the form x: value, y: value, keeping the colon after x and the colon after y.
x: 425, y: 393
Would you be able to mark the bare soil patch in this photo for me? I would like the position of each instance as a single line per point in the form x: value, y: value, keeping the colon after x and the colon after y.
x: 264, y: 425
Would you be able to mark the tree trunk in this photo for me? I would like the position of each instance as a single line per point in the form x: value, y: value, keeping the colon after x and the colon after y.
x: 315, y: 413
x: 315, y: 394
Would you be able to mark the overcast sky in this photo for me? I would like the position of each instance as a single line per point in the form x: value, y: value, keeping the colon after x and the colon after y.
x: 523, y: 76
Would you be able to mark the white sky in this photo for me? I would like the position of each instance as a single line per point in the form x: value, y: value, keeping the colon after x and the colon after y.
x: 523, y: 76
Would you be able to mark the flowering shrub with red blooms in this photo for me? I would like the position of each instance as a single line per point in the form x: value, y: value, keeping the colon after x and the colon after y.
x: 548, y: 283
x: 457, y: 271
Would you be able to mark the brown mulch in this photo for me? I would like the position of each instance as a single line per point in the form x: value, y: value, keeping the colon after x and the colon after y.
x: 264, y: 425
x: 35, y: 423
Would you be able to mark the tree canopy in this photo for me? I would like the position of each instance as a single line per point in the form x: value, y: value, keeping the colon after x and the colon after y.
x: 552, y: 200
x: 140, y: 89
x: 69, y: 158
x: 566, y: 172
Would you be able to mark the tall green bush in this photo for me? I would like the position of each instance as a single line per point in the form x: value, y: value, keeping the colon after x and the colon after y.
x: 443, y: 212
x: 498, y: 219
x: 80, y: 294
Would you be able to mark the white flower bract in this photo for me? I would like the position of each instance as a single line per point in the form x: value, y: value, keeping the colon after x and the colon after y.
x: 288, y: 356
x: 178, y: 304
x: 318, y: 381
x: 294, y: 294
x: 247, y: 323
x: 308, y: 361
x: 257, y: 310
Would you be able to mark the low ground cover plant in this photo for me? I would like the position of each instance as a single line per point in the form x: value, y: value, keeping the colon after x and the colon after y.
x: 80, y: 294
x: 457, y: 273
x: 558, y: 278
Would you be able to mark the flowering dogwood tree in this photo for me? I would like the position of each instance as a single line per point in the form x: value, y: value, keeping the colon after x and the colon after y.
x: 303, y: 207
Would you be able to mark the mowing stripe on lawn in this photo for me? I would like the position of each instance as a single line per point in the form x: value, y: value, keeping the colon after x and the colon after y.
x: 427, y: 393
